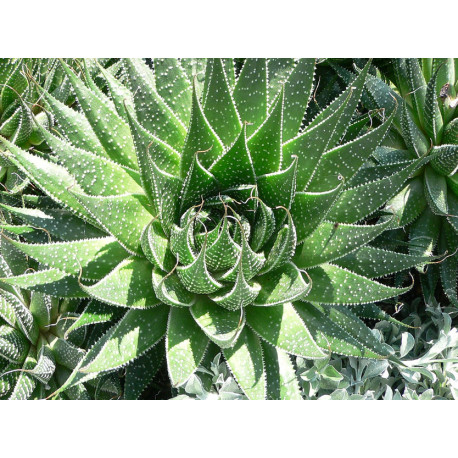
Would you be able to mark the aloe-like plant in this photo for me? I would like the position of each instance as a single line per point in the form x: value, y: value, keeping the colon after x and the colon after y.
x: 194, y: 202
x: 426, y: 208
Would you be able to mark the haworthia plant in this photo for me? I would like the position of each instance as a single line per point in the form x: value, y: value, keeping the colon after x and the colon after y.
x: 195, y: 207
x: 426, y: 122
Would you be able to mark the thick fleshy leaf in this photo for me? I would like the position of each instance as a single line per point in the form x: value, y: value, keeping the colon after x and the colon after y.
x: 282, y: 382
x: 51, y: 178
x: 174, y: 87
x: 424, y: 233
x: 58, y: 223
x: 137, y: 332
x: 282, y: 327
x: 250, y: 93
x: 52, y: 281
x: 298, y: 90
x: 13, y: 344
x: 124, y: 217
x: 235, y: 166
x: 356, y: 203
x: 336, y: 329
x: 93, y: 258
x: 170, y: 291
x: 266, y: 143
x: 25, y: 383
x: 95, y: 313
x: 219, y: 107
x: 376, y: 262
x: 141, y: 371
x: 449, y: 265
x: 333, y: 240
x: 264, y: 226
x: 198, y: 184
x: 151, y: 110
x: 220, y: 325
x: 201, y: 137
x: 185, y: 345
x: 310, y: 146
x: 155, y: 246
x: 432, y: 114
x: 245, y: 360
x: 24, y: 318
x: 436, y: 191
x: 346, y: 160
x: 413, y: 136
x: 128, y: 285
x: 445, y: 161
x: 284, y: 284
x: 283, y: 248
x: 310, y: 208
x: 111, y: 130
x: 338, y: 286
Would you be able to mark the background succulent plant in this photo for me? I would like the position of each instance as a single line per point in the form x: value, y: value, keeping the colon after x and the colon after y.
x: 426, y: 123
x: 193, y: 206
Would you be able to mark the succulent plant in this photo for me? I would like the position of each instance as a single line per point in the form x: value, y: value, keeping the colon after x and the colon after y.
x: 194, y: 203
x: 426, y: 208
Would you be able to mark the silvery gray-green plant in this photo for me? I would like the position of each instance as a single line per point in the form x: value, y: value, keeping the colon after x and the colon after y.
x: 194, y: 202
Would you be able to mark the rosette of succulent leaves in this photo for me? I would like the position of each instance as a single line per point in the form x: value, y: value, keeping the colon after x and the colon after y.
x: 37, y: 353
x: 193, y: 202
x: 23, y: 109
x: 425, y: 124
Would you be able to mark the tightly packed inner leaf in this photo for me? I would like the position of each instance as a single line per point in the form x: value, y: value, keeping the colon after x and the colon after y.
x: 211, y: 212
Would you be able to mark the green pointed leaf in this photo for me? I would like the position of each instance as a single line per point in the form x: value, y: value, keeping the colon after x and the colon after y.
x: 137, y: 332
x: 95, y: 313
x: 310, y: 208
x: 124, y: 217
x: 219, y: 107
x: 265, y: 144
x: 281, y: 326
x: 111, y: 130
x: 333, y: 240
x: 407, y: 205
x: 25, y: 383
x: 424, y: 233
x: 198, y: 185
x: 74, y: 126
x: 449, y: 265
x: 51, y: 178
x: 220, y: 325
x: 13, y: 344
x: 245, y: 360
x: 174, y: 87
x: 337, y: 330
x: 42, y: 307
x: 350, y: 207
x: 169, y: 289
x: 284, y: 284
x: 93, y: 257
x: 335, y: 285
x: 186, y: 345
x: 195, y: 276
x: 141, y: 371
x: 282, y: 383
x: 250, y: 93
x: 235, y: 166
x: 372, y: 312
x: 413, y: 136
x: 151, y: 110
x: 436, y: 191
x: 24, y: 319
x: 264, y: 226
x: 278, y: 72
x: 283, y: 247
x: 52, y: 281
x: 57, y: 222
x: 94, y: 174
x: 201, y: 137
x: 346, y: 160
x: 310, y: 145
x: 376, y: 262
x: 128, y: 285
x: 432, y: 114
x: 155, y: 246
x: 446, y: 161
x: 298, y: 90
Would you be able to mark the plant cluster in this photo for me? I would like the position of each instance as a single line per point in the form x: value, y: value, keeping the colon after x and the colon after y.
x: 227, y: 222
